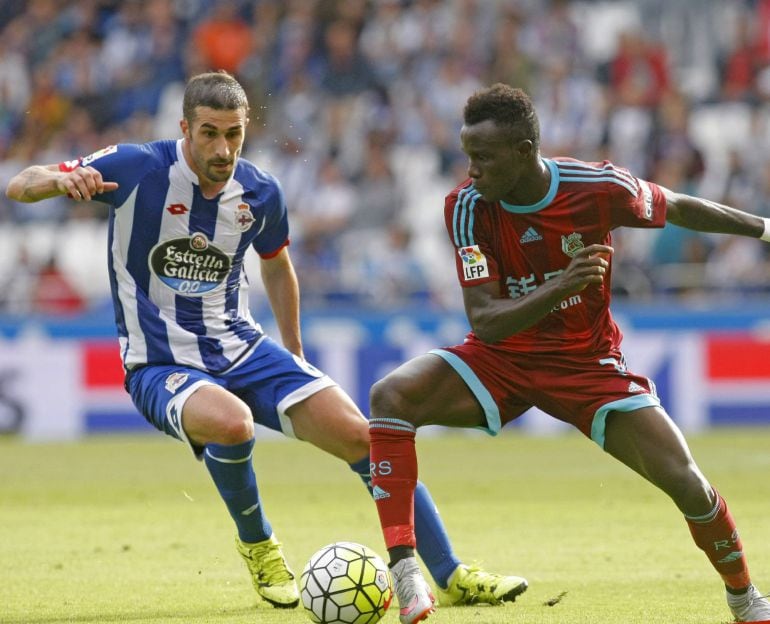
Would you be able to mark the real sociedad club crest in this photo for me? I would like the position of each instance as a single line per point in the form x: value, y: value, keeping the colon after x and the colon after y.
x: 243, y: 217
x: 571, y: 244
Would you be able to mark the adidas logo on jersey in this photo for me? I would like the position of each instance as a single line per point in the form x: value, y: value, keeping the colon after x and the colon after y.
x: 378, y: 493
x: 530, y: 236
x: 635, y: 387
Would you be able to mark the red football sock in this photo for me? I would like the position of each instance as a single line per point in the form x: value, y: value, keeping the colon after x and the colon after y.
x: 716, y: 535
x: 394, y: 477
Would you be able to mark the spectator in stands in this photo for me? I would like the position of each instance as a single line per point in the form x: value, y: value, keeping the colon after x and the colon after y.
x: 671, y: 142
x: 738, y: 69
x: 53, y: 293
x: 224, y: 37
x: 509, y: 62
x: 324, y: 74
x: 639, y: 73
x: 15, y: 84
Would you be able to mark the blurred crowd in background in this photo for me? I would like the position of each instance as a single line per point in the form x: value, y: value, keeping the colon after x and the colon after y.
x: 356, y: 107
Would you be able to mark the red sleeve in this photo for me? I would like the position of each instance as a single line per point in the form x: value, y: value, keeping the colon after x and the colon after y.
x: 466, y: 226
x: 641, y: 205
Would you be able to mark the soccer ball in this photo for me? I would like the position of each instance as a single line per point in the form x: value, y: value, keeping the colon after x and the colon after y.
x: 346, y: 583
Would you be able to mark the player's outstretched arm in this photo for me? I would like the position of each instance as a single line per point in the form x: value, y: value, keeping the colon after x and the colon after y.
x: 44, y: 181
x: 703, y: 215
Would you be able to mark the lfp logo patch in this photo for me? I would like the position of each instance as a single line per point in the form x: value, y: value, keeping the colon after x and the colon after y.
x: 474, y: 262
x: 110, y: 149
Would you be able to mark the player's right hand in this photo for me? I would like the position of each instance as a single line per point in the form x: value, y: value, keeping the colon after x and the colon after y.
x: 588, y: 266
x: 83, y: 183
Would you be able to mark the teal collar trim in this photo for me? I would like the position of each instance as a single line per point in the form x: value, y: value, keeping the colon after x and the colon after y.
x: 548, y: 196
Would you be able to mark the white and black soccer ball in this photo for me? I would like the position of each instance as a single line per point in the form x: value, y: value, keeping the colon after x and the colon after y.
x: 346, y: 583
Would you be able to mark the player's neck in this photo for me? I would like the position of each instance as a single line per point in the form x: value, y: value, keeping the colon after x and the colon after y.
x: 532, y: 186
x: 210, y: 189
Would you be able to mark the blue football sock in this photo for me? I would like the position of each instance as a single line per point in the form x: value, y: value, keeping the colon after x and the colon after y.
x: 432, y: 540
x: 230, y: 467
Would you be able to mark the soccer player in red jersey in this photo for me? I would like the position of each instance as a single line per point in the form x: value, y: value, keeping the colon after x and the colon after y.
x: 534, y: 259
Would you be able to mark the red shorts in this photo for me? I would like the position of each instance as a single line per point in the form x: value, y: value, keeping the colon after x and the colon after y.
x: 580, y: 391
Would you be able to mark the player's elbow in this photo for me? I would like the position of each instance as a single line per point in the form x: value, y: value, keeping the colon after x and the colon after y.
x: 17, y: 190
x: 487, y: 336
x: 14, y: 191
x: 484, y: 329
x: 490, y: 327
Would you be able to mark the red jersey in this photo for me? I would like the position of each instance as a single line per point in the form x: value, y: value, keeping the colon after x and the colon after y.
x: 521, y: 247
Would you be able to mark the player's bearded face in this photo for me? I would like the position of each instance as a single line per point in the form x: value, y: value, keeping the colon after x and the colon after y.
x: 215, y: 140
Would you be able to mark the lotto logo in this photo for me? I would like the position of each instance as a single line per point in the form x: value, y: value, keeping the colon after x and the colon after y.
x: 177, y: 209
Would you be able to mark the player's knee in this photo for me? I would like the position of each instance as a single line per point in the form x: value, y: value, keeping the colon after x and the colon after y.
x: 689, y: 489
x: 232, y: 426
x: 391, y: 397
x: 356, y: 441
x: 240, y: 430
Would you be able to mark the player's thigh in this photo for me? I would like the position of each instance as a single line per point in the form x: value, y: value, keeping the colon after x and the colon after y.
x: 271, y: 381
x: 161, y: 393
x: 330, y: 420
x: 649, y: 442
x: 646, y: 440
x: 213, y: 414
x: 427, y: 390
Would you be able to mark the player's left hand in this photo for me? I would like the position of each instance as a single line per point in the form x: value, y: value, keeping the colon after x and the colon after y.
x: 83, y: 183
x: 588, y: 266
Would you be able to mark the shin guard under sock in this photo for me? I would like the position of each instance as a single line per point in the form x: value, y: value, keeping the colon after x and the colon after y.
x: 394, y: 477
x: 230, y: 468
x: 715, y: 534
x: 433, y: 543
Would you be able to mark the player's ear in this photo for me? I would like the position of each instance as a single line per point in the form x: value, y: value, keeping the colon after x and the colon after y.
x: 185, y: 128
x: 524, y: 147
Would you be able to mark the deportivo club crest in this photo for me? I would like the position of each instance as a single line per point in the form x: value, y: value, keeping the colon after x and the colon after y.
x: 571, y: 244
x: 199, y: 242
x: 243, y: 217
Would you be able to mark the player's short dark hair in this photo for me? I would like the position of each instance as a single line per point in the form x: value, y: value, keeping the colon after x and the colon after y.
x: 218, y: 90
x: 508, y: 107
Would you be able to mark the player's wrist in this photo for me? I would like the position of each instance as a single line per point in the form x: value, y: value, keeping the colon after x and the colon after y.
x: 766, y: 234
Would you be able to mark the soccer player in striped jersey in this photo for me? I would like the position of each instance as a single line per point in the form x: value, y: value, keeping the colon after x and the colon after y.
x: 198, y: 366
x: 532, y: 237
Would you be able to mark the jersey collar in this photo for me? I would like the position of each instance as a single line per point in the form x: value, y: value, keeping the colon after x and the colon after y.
x: 186, y: 171
x: 547, y: 199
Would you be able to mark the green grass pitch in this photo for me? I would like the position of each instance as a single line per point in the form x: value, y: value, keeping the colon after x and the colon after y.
x: 131, y: 530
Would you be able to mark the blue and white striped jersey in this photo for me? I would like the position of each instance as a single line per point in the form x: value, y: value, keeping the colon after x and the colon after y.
x: 179, y: 288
